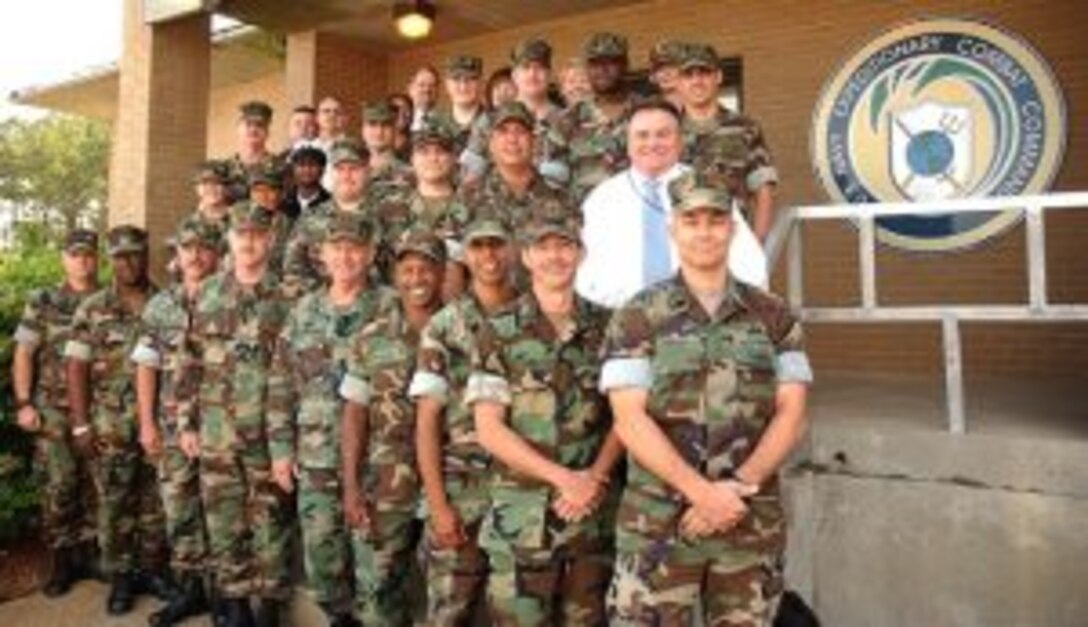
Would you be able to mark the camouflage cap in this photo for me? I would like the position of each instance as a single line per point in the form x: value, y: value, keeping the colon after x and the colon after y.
x: 211, y: 170
x: 535, y: 49
x: 484, y: 228
x: 605, y: 46
x: 304, y: 153
x: 80, y: 240
x: 463, y: 65
x: 379, y: 113
x: 126, y: 238
x: 249, y: 216
x: 350, y: 225
x: 343, y: 151
x: 434, y: 130
x: 667, y: 52
x: 270, y: 175
x: 700, y: 55
x: 692, y: 191
x: 255, y: 110
x: 194, y: 230
x: 543, y: 226
x: 513, y: 111
x: 423, y: 242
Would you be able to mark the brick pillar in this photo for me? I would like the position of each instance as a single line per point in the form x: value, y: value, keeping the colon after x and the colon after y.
x: 161, y: 126
x: 320, y: 65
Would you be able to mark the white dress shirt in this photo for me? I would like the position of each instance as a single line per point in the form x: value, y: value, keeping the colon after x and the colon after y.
x: 611, y: 272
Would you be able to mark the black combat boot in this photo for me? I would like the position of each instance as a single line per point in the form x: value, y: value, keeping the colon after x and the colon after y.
x: 339, y: 617
x: 122, y: 595
x: 63, y: 575
x: 269, y: 613
x: 188, y: 600
x: 237, y: 613
x: 159, y: 583
x: 217, y: 603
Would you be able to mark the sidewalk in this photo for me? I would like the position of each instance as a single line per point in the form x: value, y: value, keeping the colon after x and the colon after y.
x: 85, y: 606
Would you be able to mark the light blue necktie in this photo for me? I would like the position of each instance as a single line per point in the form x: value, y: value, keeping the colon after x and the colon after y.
x: 655, y: 239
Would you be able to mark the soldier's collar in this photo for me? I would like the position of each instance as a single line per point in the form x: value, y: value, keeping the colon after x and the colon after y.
x: 735, y: 300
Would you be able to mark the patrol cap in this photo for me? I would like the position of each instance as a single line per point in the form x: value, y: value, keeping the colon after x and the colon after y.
x: 667, y: 52
x: 692, y: 191
x: 350, y: 225
x: 379, y: 113
x: 543, y: 226
x: 126, y: 238
x: 78, y: 240
x: 605, y: 46
x: 700, y: 55
x: 266, y: 175
x: 515, y: 111
x: 434, y: 131
x: 534, y: 49
x: 463, y: 65
x: 343, y: 151
x: 211, y: 170
x: 423, y: 242
x: 485, y: 228
x: 256, y: 111
x: 249, y: 216
x: 194, y: 230
x: 308, y: 153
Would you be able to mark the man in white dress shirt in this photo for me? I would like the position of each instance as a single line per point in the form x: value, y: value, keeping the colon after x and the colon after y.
x: 625, y: 230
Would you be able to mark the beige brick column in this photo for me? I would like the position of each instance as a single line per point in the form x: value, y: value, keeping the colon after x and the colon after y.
x: 320, y: 65
x: 161, y: 126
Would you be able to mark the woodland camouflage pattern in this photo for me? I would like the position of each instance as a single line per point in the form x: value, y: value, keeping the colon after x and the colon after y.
x: 713, y: 394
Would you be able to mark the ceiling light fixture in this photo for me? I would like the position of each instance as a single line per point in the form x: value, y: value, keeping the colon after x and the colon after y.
x: 414, y: 19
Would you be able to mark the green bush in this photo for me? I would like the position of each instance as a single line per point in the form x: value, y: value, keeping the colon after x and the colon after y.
x: 32, y: 264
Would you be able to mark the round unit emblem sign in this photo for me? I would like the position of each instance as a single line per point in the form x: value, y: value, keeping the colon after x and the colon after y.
x: 939, y: 109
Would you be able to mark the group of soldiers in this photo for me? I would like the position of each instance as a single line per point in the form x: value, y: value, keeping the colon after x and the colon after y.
x: 399, y: 371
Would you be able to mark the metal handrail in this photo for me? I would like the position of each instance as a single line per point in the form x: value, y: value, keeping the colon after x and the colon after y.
x: 785, y: 237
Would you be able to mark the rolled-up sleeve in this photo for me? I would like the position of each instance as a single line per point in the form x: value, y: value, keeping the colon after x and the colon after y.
x: 632, y: 372
x: 355, y: 389
x: 483, y: 386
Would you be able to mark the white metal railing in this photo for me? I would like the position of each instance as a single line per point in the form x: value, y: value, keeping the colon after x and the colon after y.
x: 786, y: 237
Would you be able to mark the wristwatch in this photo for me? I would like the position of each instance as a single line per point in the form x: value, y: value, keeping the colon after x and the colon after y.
x: 79, y: 430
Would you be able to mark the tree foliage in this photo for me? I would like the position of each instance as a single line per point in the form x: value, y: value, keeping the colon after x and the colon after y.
x: 53, y: 170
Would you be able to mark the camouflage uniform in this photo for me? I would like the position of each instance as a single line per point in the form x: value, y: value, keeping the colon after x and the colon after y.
x: 304, y: 427
x: 161, y: 346
x: 455, y: 577
x: 68, y: 496
x: 470, y: 67
x: 379, y: 371
x: 712, y: 381
x: 131, y: 527
x: 729, y: 150
x: 394, y: 174
x: 544, y: 570
x: 404, y: 209
x: 238, y: 172
x: 595, y: 145
x: 222, y: 395
x: 491, y: 197
x: 303, y: 269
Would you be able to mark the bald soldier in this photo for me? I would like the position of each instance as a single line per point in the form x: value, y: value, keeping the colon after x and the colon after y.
x: 707, y: 378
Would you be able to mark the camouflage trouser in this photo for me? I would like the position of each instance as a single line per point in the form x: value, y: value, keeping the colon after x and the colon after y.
x: 131, y: 525
x: 664, y: 585
x: 69, y: 502
x: 385, y: 569
x: 564, y: 586
x: 326, y: 549
x: 249, y: 524
x: 179, y: 486
x: 457, y: 578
